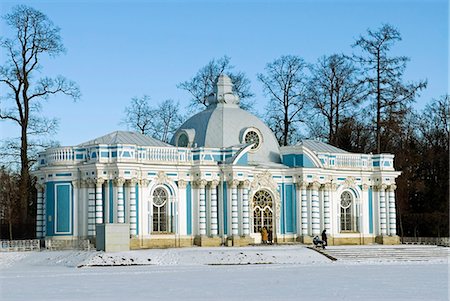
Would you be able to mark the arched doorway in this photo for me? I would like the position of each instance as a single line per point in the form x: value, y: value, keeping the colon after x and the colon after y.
x: 262, y: 211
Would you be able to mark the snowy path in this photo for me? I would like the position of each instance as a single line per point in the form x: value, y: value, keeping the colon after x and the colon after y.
x: 295, y: 273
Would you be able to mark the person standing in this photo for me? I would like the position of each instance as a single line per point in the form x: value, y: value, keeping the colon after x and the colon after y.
x: 264, y: 235
x: 270, y: 237
x: 324, y: 238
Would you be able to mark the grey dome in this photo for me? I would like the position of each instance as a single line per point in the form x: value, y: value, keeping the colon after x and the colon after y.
x: 223, y: 124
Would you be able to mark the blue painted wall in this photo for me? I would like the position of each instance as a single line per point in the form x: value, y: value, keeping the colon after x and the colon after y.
x: 283, y: 209
x: 370, y: 210
x: 290, y: 212
x: 298, y: 160
x: 59, y: 212
x: 63, y: 210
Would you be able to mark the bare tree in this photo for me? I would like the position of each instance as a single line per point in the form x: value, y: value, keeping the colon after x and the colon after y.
x: 390, y: 97
x: 35, y: 36
x: 166, y: 120
x: 434, y: 123
x: 201, y: 85
x: 334, y: 91
x: 138, y: 116
x: 9, y: 199
x: 160, y: 122
x: 285, y: 84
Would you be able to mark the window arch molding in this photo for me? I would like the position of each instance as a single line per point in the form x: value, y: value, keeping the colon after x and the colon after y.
x: 348, y: 211
x: 161, y: 209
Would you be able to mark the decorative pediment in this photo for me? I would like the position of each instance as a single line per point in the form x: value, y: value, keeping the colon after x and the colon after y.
x: 161, y: 178
x: 263, y: 180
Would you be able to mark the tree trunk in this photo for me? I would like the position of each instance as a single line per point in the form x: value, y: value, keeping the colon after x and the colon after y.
x: 10, y: 231
x: 286, y: 126
x: 24, y: 176
x: 378, y: 130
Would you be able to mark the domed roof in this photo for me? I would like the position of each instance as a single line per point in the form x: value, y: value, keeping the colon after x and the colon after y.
x: 224, y: 124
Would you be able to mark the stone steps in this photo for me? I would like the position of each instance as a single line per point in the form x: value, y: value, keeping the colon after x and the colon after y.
x: 387, y: 253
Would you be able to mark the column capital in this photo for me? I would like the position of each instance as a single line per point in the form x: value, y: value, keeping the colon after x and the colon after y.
x: 200, y: 183
x: 326, y: 186
x: 144, y: 182
x: 245, y: 184
x: 314, y: 185
x: 392, y: 187
x: 381, y: 187
x: 119, y: 181
x: 303, y: 185
x: 98, y: 181
x: 214, y: 183
x: 233, y: 183
x: 84, y: 183
x: 132, y: 182
x: 365, y: 187
x: 182, y: 184
x: 76, y: 183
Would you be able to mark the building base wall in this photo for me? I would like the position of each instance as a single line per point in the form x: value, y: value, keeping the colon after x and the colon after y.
x: 241, y: 241
x: 387, y: 240
x: 160, y: 243
x: 205, y: 241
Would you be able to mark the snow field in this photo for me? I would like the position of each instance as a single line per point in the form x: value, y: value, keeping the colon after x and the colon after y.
x: 274, y: 273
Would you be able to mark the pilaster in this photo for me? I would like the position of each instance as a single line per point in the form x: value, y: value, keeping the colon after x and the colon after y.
x: 315, y: 213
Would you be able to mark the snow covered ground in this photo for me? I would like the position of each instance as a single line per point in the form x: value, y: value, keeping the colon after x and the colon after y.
x: 250, y: 273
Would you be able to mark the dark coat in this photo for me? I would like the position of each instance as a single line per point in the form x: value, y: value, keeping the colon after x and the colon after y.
x: 324, y: 236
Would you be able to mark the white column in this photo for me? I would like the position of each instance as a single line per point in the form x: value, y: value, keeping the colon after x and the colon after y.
x: 213, y: 187
x: 120, y: 200
x: 202, y: 207
x: 234, y: 208
x: 182, y: 209
x: 315, y: 213
x: 40, y: 214
x: 91, y: 207
x: 98, y: 201
x: 326, y: 207
x: 245, y: 208
x: 304, y: 197
x: 382, y: 195
x: 133, y: 207
x: 144, y: 210
x: 392, y: 214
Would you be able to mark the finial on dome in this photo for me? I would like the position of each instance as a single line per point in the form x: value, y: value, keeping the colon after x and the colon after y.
x: 223, y: 92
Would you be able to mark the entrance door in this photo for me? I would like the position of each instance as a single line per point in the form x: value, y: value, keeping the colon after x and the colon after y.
x: 262, y: 211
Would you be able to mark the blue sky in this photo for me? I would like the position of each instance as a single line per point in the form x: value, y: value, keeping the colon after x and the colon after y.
x: 120, y: 49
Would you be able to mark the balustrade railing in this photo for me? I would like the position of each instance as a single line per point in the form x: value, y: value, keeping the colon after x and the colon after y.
x: 20, y: 245
x: 71, y: 155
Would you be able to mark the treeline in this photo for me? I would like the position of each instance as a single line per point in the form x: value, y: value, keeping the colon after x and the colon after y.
x: 358, y: 102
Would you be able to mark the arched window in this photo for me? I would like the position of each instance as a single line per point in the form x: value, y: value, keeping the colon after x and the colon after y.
x: 160, y: 201
x: 262, y: 211
x: 346, y: 212
x: 183, y: 140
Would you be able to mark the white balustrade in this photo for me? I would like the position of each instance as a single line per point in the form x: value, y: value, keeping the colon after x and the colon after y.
x: 67, y: 155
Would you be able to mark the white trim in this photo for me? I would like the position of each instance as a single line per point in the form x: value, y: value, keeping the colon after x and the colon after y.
x: 56, y: 208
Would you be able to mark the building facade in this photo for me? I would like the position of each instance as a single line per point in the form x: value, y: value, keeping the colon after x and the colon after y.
x: 221, y: 179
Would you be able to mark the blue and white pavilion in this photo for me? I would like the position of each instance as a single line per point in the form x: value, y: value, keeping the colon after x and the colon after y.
x: 222, y: 178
